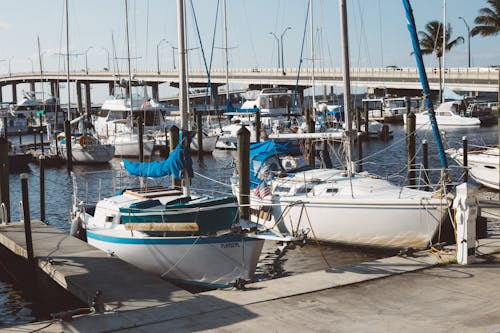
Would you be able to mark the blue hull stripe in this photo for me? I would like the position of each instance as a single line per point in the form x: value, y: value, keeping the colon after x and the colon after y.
x: 170, y: 240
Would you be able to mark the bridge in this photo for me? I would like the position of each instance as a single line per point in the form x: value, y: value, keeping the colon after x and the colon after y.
x: 484, y: 79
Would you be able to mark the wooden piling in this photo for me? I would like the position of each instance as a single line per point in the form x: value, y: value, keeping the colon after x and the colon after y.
x: 140, y: 127
x: 20, y: 134
x: 42, y: 187
x: 174, y: 141
x: 35, y: 135
x: 365, y: 116
x: 257, y: 126
x: 199, y: 133
x: 410, y: 145
x: 243, y: 143
x: 4, y: 175
x: 41, y: 140
x: 358, y: 119
x: 69, y: 155
x: 425, y: 163
x: 360, y: 151
x: 27, y: 221
x: 465, y: 161
x: 310, y: 142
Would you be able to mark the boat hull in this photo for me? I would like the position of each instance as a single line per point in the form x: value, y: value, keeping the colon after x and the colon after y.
x: 483, y: 165
x: 89, y: 154
x: 206, y: 260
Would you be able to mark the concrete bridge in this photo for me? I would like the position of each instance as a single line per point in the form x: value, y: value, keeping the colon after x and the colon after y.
x: 477, y: 79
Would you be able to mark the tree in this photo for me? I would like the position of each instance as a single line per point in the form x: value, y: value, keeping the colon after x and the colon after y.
x: 488, y: 22
x: 431, y: 41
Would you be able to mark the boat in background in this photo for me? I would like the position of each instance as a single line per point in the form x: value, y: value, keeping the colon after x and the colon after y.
x: 483, y: 164
x: 386, y: 109
x: 447, y: 115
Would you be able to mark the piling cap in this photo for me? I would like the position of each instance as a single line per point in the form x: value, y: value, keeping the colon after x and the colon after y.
x: 24, y: 176
x: 243, y: 131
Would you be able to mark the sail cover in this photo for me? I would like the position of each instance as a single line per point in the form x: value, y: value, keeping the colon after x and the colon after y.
x: 177, y: 161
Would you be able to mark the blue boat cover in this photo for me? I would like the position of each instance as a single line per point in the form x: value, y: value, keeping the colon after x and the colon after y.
x: 177, y: 161
x: 262, y: 151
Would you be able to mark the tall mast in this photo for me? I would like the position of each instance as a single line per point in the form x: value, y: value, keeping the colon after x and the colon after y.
x: 444, y: 50
x: 183, y: 106
x: 347, y: 85
x: 41, y: 69
x: 67, y: 62
x: 312, y: 50
x: 226, y: 57
x: 128, y: 64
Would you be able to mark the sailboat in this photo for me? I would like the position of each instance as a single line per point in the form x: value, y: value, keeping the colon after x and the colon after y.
x: 85, y: 146
x: 340, y: 205
x: 169, y: 232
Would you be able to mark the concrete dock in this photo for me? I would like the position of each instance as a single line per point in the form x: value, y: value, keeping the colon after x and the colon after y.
x: 401, y: 293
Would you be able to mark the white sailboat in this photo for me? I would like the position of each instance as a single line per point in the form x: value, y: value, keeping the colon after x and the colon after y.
x: 171, y: 233
x: 340, y: 205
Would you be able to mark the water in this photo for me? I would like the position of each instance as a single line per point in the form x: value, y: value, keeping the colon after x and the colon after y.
x: 385, y: 158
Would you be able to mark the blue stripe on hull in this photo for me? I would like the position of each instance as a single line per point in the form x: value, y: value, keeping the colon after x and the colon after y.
x: 171, y: 240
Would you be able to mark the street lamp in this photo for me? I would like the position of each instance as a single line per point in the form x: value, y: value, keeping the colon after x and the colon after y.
x: 282, y: 61
x: 158, y: 54
x: 278, y: 42
x: 32, y: 66
x: 468, y: 40
x: 173, y: 52
x: 7, y: 59
x: 86, y: 63
x: 107, y: 53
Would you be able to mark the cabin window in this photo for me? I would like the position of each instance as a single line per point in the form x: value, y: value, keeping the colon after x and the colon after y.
x: 332, y: 190
x: 109, y: 218
x: 303, y: 189
x: 284, y: 189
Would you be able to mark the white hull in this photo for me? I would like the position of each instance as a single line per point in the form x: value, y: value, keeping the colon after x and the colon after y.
x: 209, y: 143
x: 93, y: 154
x: 212, y: 261
x: 128, y: 145
x: 483, y: 165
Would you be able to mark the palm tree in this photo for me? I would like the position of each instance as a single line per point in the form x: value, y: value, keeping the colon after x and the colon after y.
x: 431, y: 41
x: 488, y: 23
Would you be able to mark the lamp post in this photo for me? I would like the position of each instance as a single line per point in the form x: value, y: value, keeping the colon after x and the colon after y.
x: 86, y: 63
x: 158, y: 54
x: 468, y: 40
x: 32, y: 66
x: 173, y: 52
x: 7, y: 59
x: 278, y: 42
x: 107, y: 53
x: 282, y: 61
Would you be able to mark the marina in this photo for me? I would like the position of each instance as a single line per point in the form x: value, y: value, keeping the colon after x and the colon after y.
x: 233, y: 198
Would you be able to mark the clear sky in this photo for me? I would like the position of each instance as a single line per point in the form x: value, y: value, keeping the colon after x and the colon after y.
x: 377, y: 28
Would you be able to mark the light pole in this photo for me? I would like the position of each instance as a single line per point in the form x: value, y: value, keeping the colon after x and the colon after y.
x: 7, y: 59
x: 173, y: 52
x: 86, y: 63
x: 107, y: 53
x: 278, y: 42
x: 32, y: 66
x: 158, y: 54
x: 281, y: 38
x: 468, y: 40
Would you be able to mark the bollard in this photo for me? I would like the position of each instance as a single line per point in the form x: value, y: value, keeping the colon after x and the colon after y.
x: 27, y: 220
x: 174, y: 141
x: 20, y: 134
x: 425, y: 162
x: 42, y: 187
x: 41, y: 141
x: 199, y: 134
x: 410, y: 145
x: 360, y: 151
x: 365, y: 113
x: 257, y: 126
x: 465, y: 161
x: 4, y: 175
x: 243, y: 144
x: 69, y: 155
x: 140, y: 126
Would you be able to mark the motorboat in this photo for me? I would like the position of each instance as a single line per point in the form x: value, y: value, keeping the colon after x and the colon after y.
x: 447, y: 115
x: 386, y: 109
x: 15, y: 122
x: 482, y: 164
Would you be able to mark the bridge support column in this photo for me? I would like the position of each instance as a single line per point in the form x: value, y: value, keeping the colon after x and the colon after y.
x: 14, y: 93
x: 32, y: 86
x: 154, y: 87
x: 88, y: 102
x: 111, y: 85
x: 1, y: 96
x: 79, y: 96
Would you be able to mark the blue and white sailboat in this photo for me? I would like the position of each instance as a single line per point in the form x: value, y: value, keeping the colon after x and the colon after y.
x: 169, y: 232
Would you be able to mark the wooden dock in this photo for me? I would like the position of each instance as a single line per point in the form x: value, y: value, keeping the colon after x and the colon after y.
x: 410, y: 293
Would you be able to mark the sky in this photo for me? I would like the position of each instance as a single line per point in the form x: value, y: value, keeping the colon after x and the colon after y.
x: 378, y: 35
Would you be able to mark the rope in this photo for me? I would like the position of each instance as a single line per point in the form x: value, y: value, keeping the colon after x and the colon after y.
x: 211, y: 179
x: 316, y: 238
x: 180, y: 259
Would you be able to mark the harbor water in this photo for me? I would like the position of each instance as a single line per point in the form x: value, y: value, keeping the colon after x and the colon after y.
x: 383, y: 158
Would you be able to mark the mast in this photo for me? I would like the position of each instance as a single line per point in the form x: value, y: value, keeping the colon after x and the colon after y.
x: 183, y: 106
x: 347, y: 86
x: 444, y: 51
x: 226, y: 56
x: 424, y: 81
x: 67, y: 62
x: 312, y: 53
x: 41, y: 69
x: 128, y: 64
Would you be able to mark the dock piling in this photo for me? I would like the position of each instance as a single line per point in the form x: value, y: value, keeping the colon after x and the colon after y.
x: 42, y: 187
x: 27, y: 220
x: 20, y: 135
x: 41, y: 139
x: 257, y: 126
x: 360, y: 151
x: 365, y: 115
x: 243, y: 137
x: 4, y: 176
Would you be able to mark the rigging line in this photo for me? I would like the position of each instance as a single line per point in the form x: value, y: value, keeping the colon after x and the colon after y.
x: 301, y: 58
x: 380, y: 34
x: 209, y: 83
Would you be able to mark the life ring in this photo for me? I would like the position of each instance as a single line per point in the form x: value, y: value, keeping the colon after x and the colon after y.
x: 85, y: 141
x: 289, y: 163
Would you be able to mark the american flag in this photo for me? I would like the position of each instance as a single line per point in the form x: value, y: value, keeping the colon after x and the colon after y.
x: 262, y: 190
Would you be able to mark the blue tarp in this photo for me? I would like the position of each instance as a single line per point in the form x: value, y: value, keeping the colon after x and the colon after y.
x: 177, y: 161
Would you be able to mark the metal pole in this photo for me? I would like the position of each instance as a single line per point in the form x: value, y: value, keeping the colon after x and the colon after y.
x: 282, y: 56
x: 69, y: 156
x: 468, y: 40
x: 278, y: 42
x: 174, y: 141
x: 226, y: 55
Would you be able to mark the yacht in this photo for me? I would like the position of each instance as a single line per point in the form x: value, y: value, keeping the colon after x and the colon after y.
x: 447, y: 115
